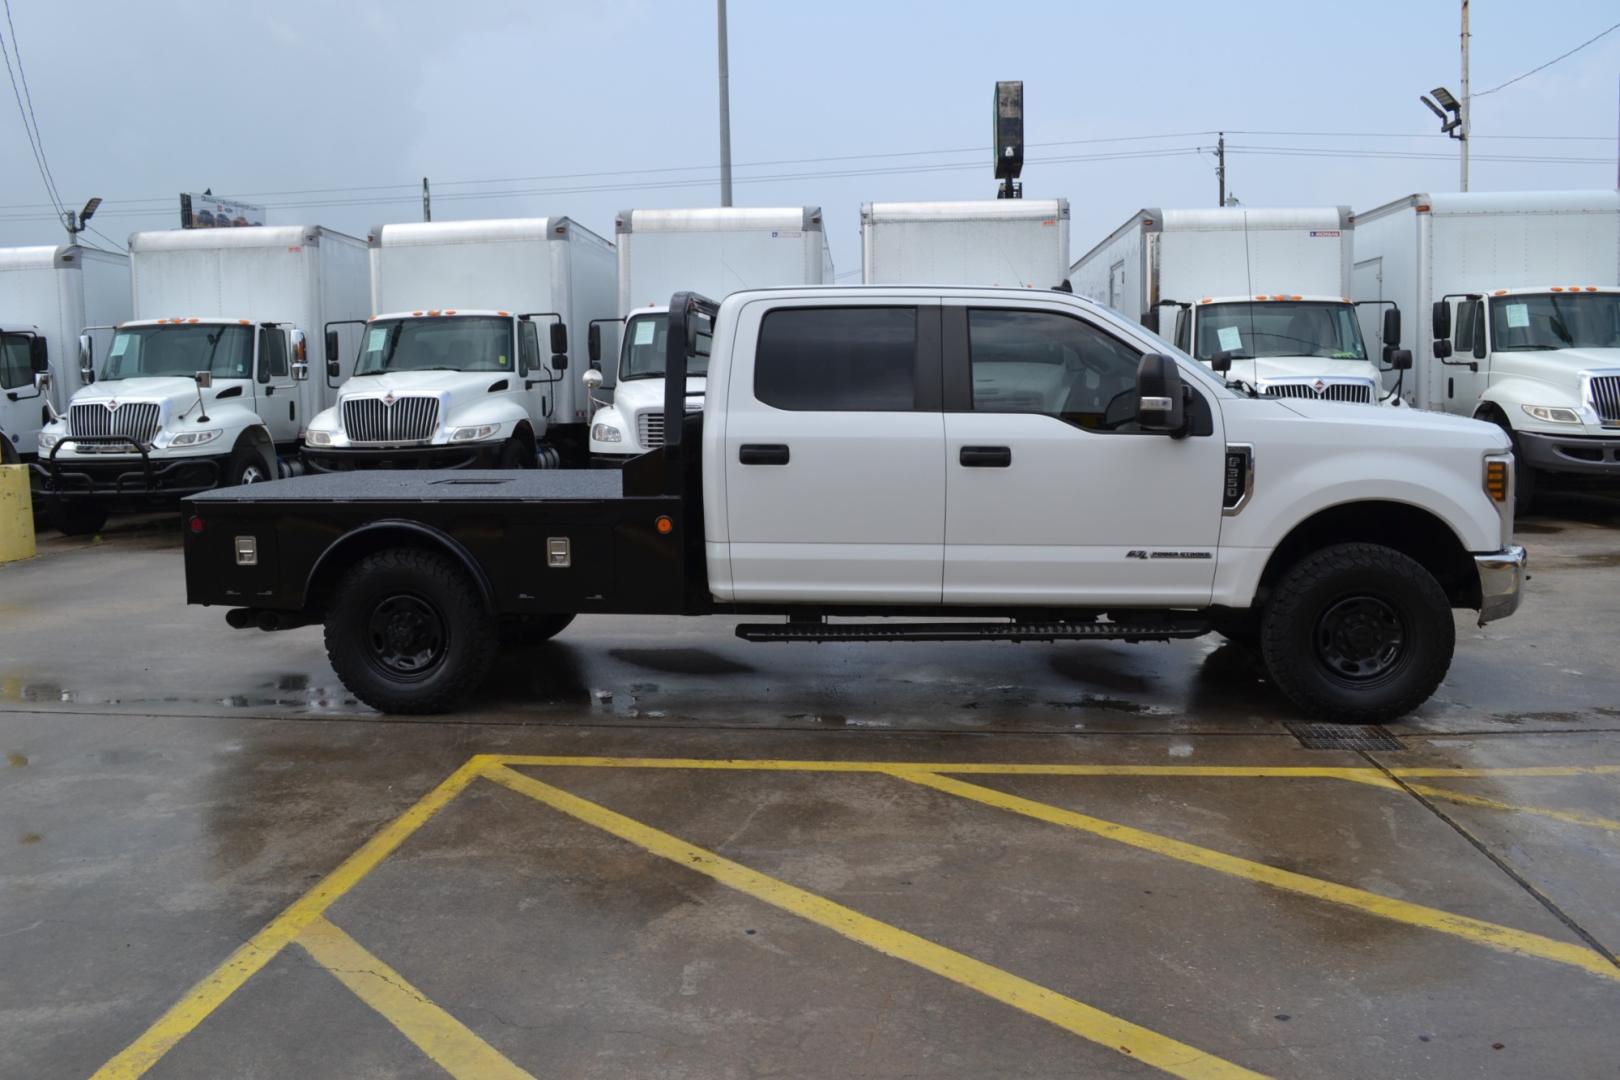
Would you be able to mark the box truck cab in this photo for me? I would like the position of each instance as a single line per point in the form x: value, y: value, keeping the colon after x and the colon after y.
x: 1287, y: 345
x: 1516, y: 292
x: 1260, y: 294
x: 48, y: 294
x: 442, y: 389
x: 207, y: 386
x: 450, y: 371
x: 716, y: 251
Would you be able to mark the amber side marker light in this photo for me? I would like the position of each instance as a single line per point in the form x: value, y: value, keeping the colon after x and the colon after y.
x: 664, y: 525
x: 1496, y: 480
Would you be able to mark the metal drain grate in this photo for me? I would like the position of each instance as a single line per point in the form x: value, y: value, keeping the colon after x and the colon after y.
x: 1344, y: 737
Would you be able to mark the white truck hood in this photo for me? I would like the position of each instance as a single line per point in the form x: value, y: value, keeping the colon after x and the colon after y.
x: 437, y: 383
x: 1401, y: 427
x: 1573, y: 361
x: 173, y: 390
x: 1269, y: 368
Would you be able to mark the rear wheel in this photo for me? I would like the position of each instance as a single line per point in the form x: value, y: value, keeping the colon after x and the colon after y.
x: 72, y: 518
x: 407, y: 633
x: 1358, y: 633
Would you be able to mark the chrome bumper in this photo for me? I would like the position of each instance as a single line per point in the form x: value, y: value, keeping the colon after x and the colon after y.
x: 1501, y: 579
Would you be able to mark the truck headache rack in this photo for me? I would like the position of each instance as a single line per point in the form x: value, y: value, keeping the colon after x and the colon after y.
x: 1145, y: 629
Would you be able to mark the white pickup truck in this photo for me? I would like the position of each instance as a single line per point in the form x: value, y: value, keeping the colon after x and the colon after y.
x: 877, y: 463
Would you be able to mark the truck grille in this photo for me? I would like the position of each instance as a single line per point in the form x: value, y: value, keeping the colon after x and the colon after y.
x: 650, y: 428
x: 136, y: 420
x: 1606, y: 397
x: 408, y: 419
x: 1357, y: 392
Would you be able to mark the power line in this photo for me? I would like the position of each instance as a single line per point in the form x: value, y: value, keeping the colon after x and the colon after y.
x: 1548, y: 64
x: 39, y: 141
x: 110, y: 240
x: 33, y: 144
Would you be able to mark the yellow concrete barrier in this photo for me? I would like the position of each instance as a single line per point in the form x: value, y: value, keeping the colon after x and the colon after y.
x: 16, y: 514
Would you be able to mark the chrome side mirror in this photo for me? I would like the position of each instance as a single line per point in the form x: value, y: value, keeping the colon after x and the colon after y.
x: 592, y: 379
x: 204, y: 379
x: 87, y: 359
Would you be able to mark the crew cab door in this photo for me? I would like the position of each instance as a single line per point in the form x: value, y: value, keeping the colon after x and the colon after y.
x: 275, y: 392
x: 21, y: 404
x: 835, y: 485
x: 1053, y: 496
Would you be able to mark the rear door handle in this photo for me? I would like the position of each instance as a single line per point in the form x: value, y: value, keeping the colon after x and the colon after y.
x: 763, y: 454
x: 986, y: 457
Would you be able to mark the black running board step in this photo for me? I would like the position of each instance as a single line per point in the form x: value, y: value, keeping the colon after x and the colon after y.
x: 967, y: 631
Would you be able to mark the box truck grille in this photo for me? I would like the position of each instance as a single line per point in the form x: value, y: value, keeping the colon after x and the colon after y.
x: 650, y: 428
x: 136, y: 420
x: 1357, y: 392
x: 1606, y: 397
x: 408, y: 419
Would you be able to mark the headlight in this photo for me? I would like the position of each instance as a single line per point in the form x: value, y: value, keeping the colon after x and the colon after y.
x: 474, y: 433
x: 606, y: 433
x: 194, y: 438
x: 316, y: 437
x: 47, y: 441
x: 1553, y: 414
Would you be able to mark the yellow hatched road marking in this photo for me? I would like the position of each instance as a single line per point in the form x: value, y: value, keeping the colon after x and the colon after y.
x: 1494, y: 935
x: 201, y: 1000
x: 1111, y: 1032
x: 443, y: 1038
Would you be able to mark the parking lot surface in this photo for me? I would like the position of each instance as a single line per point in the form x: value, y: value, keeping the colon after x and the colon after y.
x: 651, y: 849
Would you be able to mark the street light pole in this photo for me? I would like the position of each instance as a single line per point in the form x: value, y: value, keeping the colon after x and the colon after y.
x: 725, y: 112
x: 1462, y: 113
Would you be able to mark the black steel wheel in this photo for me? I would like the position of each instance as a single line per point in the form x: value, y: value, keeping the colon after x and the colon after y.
x: 1357, y: 633
x: 408, y: 632
x: 246, y: 467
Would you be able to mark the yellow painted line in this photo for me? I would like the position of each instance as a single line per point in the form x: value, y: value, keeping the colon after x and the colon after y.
x: 1572, y: 817
x: 955, y: 768
x: 1493, y: 935
x: 450, y: 1043
x: 1521, y: 770
x: 201, y: 1000
x: 1106, y: 1030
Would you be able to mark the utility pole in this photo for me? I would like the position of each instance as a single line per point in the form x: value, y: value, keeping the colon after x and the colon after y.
x: 427, y: 201
x: 1463, y: 112
x: 725, y: 112
x: 1220, y: 166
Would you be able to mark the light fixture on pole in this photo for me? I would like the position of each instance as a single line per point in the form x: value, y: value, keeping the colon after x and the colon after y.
x: 76, y: 224
x: 1452, y: 122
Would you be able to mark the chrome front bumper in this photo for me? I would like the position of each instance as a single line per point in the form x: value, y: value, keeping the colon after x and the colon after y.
x: 1501, y: 581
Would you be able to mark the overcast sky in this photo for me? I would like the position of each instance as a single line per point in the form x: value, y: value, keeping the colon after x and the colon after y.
x: 139, y: 101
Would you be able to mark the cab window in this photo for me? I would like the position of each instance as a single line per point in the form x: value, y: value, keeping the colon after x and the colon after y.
x: 854, y: 359
x: 528, y: 347
x: 1045, y: 362
x: 272, y: 354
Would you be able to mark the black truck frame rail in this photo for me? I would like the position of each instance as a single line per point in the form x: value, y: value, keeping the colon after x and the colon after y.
x: 58, y: 481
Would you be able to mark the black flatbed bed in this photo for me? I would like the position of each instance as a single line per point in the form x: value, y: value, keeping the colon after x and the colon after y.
x: 406, y: 486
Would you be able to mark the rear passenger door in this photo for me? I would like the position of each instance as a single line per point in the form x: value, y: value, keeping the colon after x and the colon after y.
x: 834, y: 443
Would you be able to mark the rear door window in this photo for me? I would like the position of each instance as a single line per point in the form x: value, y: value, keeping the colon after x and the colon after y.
x: 850, y: 359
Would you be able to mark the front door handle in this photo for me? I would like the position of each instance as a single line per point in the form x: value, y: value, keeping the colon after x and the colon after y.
x: 986, y: 457
x: 762, y: 454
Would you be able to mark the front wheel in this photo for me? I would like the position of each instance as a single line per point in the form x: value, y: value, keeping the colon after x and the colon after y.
x: 73, y: 518
x: 407, y: 633
x: 245, y: 467
x: 1358, y: 633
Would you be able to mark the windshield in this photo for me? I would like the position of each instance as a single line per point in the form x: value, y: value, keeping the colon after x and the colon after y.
x: 444, y: 343
x: 645, y: 340
x: 144, y: 351
x: 1556, y: 321
x: 1279, y: 328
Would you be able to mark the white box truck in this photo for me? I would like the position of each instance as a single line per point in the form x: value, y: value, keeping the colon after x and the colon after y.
x: 450, y: 371
x: 1517, y: 317
x: 207, y: 385
x: 1013, y: 243
x: 48, y: 294
x: 1262, y: 295
x: 716, y: 252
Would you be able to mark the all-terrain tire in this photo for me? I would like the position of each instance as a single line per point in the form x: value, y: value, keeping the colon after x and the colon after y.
x: 532, y: 629
x: 1357, y: 633
x: 407, y: 632
x: 71, y: 517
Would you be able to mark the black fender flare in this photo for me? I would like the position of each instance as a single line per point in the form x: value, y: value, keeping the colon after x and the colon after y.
x: 375, y: 536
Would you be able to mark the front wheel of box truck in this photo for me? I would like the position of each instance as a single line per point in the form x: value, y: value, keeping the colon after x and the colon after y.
x: 407, y: 632
x: 1357, y: 633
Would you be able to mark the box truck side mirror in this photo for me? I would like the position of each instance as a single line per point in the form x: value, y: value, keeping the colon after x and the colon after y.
x: 87, y: 359
x: 1400, y: 360
x: 1392, y: 326
x: 592, y: 379
x: 333, y: 366
x: 559, y: 339
x: 1442, y: 319
x: 593, y: 344
x: 1442, y: 348
x: 300, y: 353
x: 39, y: 357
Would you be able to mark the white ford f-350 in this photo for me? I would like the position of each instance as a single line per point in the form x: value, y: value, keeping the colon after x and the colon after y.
x: 907, y: 463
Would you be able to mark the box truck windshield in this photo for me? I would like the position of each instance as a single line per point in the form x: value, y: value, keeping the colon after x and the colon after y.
x: 1250, y: 331
x: 643, y: 352
x: 1530, y: 322
x: 456, y: 343
x: 151, y: 351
